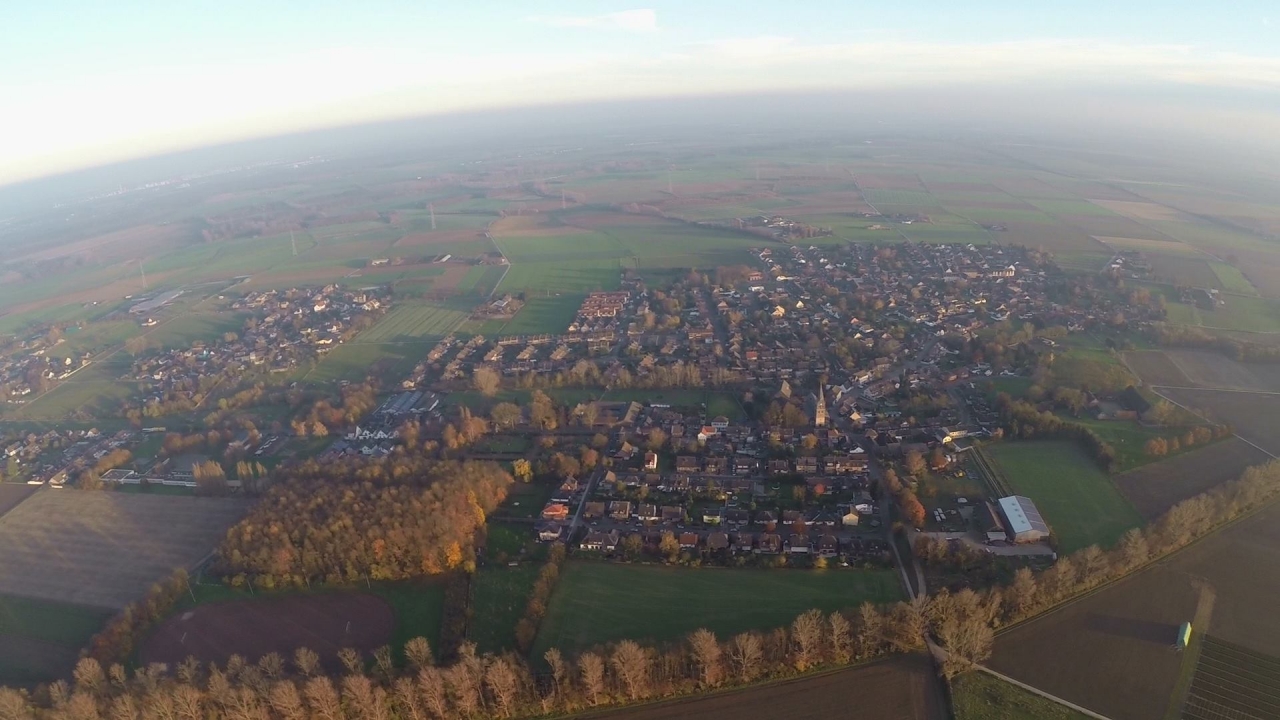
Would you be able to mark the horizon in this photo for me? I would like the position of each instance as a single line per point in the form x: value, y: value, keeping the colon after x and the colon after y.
x: 172, y: 80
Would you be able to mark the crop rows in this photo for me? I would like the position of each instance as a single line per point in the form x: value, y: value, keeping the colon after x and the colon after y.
x: 1233, y: 683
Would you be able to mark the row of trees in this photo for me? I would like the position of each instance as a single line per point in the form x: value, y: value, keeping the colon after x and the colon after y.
x: 1194, y: 337
x: 1159, y: 447
x: 344, y: 522
x: 536, y: 608
x: 908, y: 502
x: 474, y: 686
x: 1023, y: 421
x: 118, y: 638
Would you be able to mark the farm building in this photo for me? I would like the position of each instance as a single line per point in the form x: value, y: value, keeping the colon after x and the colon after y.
x: 1022, y: 520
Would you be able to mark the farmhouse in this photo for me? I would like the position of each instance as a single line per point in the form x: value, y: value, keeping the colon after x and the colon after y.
x: 1023, y: 521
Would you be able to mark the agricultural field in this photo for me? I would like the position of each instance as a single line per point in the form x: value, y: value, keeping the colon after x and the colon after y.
x: 979, y: 696
x: 498, y: 598
x: 105, y: 549
x: 183, y: 330
x: 1250, y: 314
x: 413, y: 322
x: 1078, y: 499
x: 13, y: 493
x: 1154, y: 488
x: 357, y: 361
x: 596, y: 603
x: 1233, y: 682
x: 1155, y: 367
x: 1255, y: 416
x: 40, y: 640
x: 544, y: 314
x: 1214, y: 370
x: 1232, y: 280
x: 901, y: 688
x: 95, y: 389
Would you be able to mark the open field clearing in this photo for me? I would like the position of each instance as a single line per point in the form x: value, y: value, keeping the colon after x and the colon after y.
x: 13, y: 493
x: 979, y: 696
x: 182, y: 331
x: 1185, y: 271
x: 1155, y: 367
x: 1154, y: 488
x: 1155, y: 247
x: 1233, y: 682
x: 1078, y: 500
x: 324, y: 622
x: 94, y: 389
x: 498, y: 598
x: 41, y: 640
x: 1214, y: 370
x: 1232, y: 280
x: 1240, y: 313
x: 356, y: 361
x: 1058, y: 238
x: 412, y: 322
x: 1255, y: 417
x: 102, y: 548
x: 565, y: 277
x: 902, y: 688
x: 597, y: 603
x: 892, y: 196
x: 547, y: 314
x: 1113, y: 650
x: 1143, y: 210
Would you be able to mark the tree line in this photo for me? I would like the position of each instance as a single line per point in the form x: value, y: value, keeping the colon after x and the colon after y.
x: 116, y: 641
x: 345, y: 522
x: 539, y: 597
x: 1021, y: 420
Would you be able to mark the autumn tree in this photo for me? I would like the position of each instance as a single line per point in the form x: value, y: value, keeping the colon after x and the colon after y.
x: 485, y: 380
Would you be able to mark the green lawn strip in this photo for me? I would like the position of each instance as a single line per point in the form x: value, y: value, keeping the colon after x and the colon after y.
x: 979, y: 696
x: 1077, y: 499
x: 499, y: 595
x: 596, y: 603
x: 50, y: 621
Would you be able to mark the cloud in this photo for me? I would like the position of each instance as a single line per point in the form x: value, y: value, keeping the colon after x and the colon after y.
x: 644, y: 20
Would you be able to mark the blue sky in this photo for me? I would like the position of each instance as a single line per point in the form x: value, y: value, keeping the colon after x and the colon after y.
x: 87, y: 82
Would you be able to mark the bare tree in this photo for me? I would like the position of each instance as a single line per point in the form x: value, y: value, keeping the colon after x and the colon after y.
x: 464, y: 688
x: 417, y: 651
x: 271, y: 665
x: 706, y: 653
x: 841, y: 637
x: 870, y: 630
x: 591, y: 669
x: 630, y: 664
x: 89, y: 676
x: 434, y: 698
x: 503, y: 685
x: 559, y: 672
x: 1133, y: 548
x: 322, y: 699
x: 408, y: 703
x: 306, y: 661
x: 286, y: 701
x: 352, y: 661
x: 806, y: 636
x: 384, y: 662
x: 123, y: 707
x: 486, y: 381
x: 747, y: 654
x: 366, y: 701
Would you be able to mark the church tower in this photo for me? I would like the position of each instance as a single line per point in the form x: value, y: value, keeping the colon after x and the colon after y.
x: 820, y: 409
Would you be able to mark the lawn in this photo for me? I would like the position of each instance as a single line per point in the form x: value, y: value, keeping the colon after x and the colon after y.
x: 597, y: 603
x: 410, y: 322
x: 182, y: 331
x: 41, y: 639
x: 979, y: 696
x: 1251, y: 314
x: 1232, y: 279
x: 544, y: 314
x: 498, y: 598
x: 1128, y: 439
x: 1079, y: 501
x: 355, y: 361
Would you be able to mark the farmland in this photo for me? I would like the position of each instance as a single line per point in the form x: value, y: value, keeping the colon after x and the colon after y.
x: 41, y: 640
x: 105, y: 549
x: 1078, y: 500
x: 413, y: 322
x: 498, y: 597
x: 979, y: 696
x: 903, y: 688
x: 1233, y: 682
x: 596, y: 603
x: 1155, y: 488
x: 1255, y: 416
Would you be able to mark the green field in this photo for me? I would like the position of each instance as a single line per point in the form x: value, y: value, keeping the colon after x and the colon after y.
x: 355, y: 361
x: 94, y: 389
x: 498, y: 598
x: 1250, y: 314
x: 596, y: 603
x: 544, y: 314
x: 1077, y: 499
x: 41, y: 639
x: 413, y: 322
x: 1232, y: 279
x: 979, y: 696
x: 182, y: 331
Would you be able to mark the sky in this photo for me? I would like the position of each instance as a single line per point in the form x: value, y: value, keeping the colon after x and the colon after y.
x: 86, y: 82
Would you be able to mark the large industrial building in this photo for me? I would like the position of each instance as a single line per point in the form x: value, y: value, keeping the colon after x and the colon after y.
x: 1022, y: 520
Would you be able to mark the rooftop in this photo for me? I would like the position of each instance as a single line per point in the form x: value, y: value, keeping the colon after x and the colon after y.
x: 1022, y: 514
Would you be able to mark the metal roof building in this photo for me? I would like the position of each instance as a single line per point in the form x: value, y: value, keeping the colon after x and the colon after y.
x: 1023, y: 521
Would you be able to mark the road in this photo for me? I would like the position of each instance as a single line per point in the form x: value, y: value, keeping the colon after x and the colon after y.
x: 582, y: 502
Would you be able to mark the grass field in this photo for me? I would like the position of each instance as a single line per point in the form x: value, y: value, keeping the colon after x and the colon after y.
x: 596, y: 603
x: 413, y: 322
x: 979, y: 696
x: 40, y: 640
x: 1232, y: 279
x: 1078, y: 500
x: 498, y: 598
x: 1251, y: 314
x: 182, y: 331
x: 544, y: 314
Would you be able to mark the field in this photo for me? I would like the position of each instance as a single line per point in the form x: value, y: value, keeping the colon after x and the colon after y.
x: 1255, y: 416
x: 1155, y: 367
x: 498, y: 598
x: 901, y: 688
x: 1078, y: 500
x: 1155, y: 488
x: 596, y: 603
x: 412, y: 322
x: 1233, y: 682
x: 545, y: 314
x: 324, y: 622
x: 1113, y: 649
x: 1213, y: 370
x: 105, y: 549
x: 979, y: 696
x: 1250, y: 314
x: 13, y: 493
x: 41, y: 640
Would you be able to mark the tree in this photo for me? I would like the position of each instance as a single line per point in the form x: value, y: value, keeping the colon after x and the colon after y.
x: 1133, y: 548
x: 914, y: 464
x: 630, y: 664
x: 747, y: 653
x: 505, y: 415
x: 522, y: 470
x: 417, y: 652
x: 912, y: 511
x: 591, y: 674
x: 503, y: 685
x: 669, y: 546
x: 486, y: 380
x: 841, y: 632
x: 806, y: 635
x: 706, y: 654
x: 656, y: 439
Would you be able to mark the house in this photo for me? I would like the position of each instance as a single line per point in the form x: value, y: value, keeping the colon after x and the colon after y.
x: 720, y: 423
x: 647, y: 512
x: 651, y: 460
x: 717, y: 541
x: 851, y: 518
x: 743, y: 542
x: 686, y: 464
x: 736, y: 517
x: 716, y: 466
x: 744, y: 465
x: 779, y: 467
x: 600, y: 542
x: 765, y: 517
x: 798, y: 544
x: 672, y: 514
x: 688, y: 540
x: 807, y: 465
x: 593, y: 510
x: 770, y: 544
x: 620, y: 510
x: 549, y: 531
x: 791, y: 517
x: 555, y: 511
x: 711, y: 516
x: 828, y: 546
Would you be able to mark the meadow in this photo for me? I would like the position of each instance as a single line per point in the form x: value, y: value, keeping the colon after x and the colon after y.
x: 596, y: 603
x: 1079, y: 501
x: 412, y: 322
x: 498, y: 598
x: 40, y: 640
x: 979, y: 696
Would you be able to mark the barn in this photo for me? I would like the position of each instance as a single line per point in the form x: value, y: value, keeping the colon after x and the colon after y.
x: 1022, y: 520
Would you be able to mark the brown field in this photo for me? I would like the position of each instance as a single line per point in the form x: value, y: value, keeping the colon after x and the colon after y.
x: 1155, y: 367
x: 448, y: 282
x: 1191, y: 271
x: 1155, y: 488
x: 1255, y: 416
x: 1143, y: 210
x: 131, y: 242
x: 887, y: 181
x: 1112, y: 652
x: 1147, y: 245
x: 1213, y: 370
x: 1054, y: 238
x: 104, y: 548
x: 904, y: 688
x: 325, y: 623
x: 1030, y: 187
x: 1112, y: 226
x: 13, y: 493
x: 438, y: 237
x: 537, y: 225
